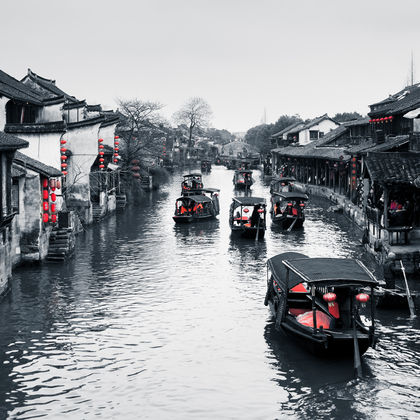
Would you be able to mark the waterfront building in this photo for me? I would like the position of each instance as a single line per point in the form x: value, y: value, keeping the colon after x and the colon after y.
x: 9, y: 144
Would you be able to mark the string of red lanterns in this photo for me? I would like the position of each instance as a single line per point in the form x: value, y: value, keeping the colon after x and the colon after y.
x: 45, y: 203
x: 116, y: 148
x: 101, y: 155
x: 381, y: 120
x: 63, y: 157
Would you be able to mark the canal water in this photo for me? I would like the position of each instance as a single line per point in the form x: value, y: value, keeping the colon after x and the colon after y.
x: 156, y: 321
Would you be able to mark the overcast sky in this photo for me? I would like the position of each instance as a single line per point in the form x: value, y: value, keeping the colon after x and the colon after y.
x: 302, y: 57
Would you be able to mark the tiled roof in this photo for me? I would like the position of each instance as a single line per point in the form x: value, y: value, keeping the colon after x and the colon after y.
x: 359, y: 121
x: 311, y: 151
x: 50, y: 127
x: 393, y: 168
x: 110, y: 118
x: 317, y: 120
x: 287, y: 129
x: 11, y: 142
x: 94, y: 108
x: 332, y: 135
x: 17, y: 171
x: 87, y: 122
x: 48, y: 86
x: 399, y: 103
x: 371, y: 146
x: 13, y: 89
x: 35, y: 165
x: 73, y: 105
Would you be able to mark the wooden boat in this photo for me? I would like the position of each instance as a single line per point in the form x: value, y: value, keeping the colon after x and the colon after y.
x: 318, y: 301
x: 205, y: 165
x: 191, y: 183
x: 197, y: 206
x: 282, y: 184
x: 288, y: 209
x: 242, y: 178
x: 247, y: 216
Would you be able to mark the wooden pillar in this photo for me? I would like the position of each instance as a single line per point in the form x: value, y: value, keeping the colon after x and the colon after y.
x: 386, y: 198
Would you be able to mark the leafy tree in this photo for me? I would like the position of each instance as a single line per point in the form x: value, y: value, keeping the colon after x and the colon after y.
x: 346, y: 116
x: 195, y: 114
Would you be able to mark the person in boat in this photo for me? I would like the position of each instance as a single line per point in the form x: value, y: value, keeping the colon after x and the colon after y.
x: 255, y: 216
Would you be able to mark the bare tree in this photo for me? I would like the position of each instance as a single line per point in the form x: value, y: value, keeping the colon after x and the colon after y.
x: 140, y: 129
x: 195, y: 114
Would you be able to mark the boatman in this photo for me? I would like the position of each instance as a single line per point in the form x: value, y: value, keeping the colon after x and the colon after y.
x: 389, y: 271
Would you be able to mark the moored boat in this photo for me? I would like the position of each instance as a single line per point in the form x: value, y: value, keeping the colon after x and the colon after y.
x: 288, y: 209
x: 247, y: 216
x: 242, y: 178
x: 205, y: 165
x: 192, y: 182
x: 318, y: 302
x: 200, y: 205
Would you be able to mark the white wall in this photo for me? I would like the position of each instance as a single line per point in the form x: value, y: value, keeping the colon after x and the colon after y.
x: 325, y: 126
x: 44, y: 147
x: 50, y: 113
x: 3, y: 101
x: 107, y: 133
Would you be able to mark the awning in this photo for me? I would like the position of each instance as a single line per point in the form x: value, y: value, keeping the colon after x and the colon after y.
x: 415, y: 113
x: 112, y: 167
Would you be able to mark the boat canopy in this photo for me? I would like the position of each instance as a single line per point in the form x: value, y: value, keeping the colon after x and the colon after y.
x: 210, y: 190
x: 283, y: 179
x: 249, y: 201
x: 192, y: 175
x: 196, y: 198
x: 319, y: 271
x: 292, y: 195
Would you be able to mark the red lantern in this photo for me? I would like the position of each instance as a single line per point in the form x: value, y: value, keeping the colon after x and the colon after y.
x: 116, y: 137
x: 289, y: 204
x: 45, y: 183
x: 45, y: 205
x: 302, y: 204
x: 101, y: 146
x: 116, y: 143
x: 54, y: 218
x: 260, y: 210
x: 115, y: 160
x: 63, y: 157
x: 116, y: 149
x: 45, y: 217
x: 329, y: 297
x: 246, y: 210
x: 353, y: 171
x: 53, y: 207
x: 64, y: 165
x: 115, y: 154
x: 45, y: 194
x: 362, y: 297
x: 101, y: 160
x: 101, y: 153
x: 102, y: 166
x: 63, y: 142
x: 63, y: 150
x: 53, y: 197
x: 100, y: 140
x: 64, y: 172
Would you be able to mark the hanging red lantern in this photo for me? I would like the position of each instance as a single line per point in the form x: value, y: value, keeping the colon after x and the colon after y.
x: 116, y: 149
x: 64, y: 172
x: 101, y: 146
x: 289, y: 204
x: 101, y: 160
x: 101, y: 153
x: 63, y: 157
x: 260, y: 210
x: 54, y: 218
x: 100, y: 140
x: 362, y: 297
x: 45, y: 194
x: 116, y: 137
x: 116, y: 143
x: 53, y: 208
x: 302, y: 204
x: 63, y: 150
x: 115, y: 154
x: 64, y: 165
x: 246, y: 210
x: 63, y: 141
x: 53, y: 197
x: 45, y: 182
x: 102, y: 166
x: 45, y: 205
x: 45, y: 217
x: 115, y: 160
x: 329, y: 297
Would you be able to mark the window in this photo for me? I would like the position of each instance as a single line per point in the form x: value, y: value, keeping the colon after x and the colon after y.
x: 15, y: 196
x: 321, y: 134
x: 313, y: 134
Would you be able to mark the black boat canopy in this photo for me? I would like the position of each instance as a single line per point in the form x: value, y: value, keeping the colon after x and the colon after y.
x: 243, y: 171
x: 210, y: 190
x: 319, y: 271
x: 291, y: 195
x: 189, y: 175
x: 249, y: 201
x: 196, y: 198
x: 283, y: 179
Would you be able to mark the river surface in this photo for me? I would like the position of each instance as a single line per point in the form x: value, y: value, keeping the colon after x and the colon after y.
x: 155, y: 321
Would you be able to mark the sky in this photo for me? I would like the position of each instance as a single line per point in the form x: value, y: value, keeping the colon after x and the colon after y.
x: 244, y: 57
